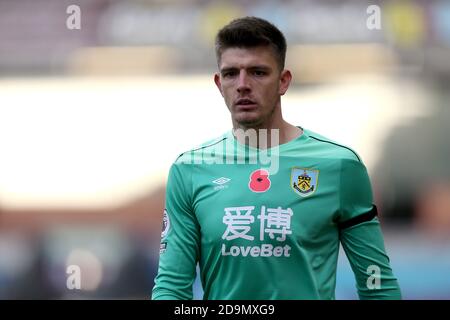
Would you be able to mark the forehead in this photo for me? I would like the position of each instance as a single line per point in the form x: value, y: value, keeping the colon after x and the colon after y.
x: 247, y: 57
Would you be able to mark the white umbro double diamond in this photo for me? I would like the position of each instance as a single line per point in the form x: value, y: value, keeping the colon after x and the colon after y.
x: 221, y: 180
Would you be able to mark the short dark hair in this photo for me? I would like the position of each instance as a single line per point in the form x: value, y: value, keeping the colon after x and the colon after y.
x: 249, y: 32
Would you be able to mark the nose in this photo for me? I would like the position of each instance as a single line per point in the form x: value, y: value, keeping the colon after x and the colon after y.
x: 243, y: 82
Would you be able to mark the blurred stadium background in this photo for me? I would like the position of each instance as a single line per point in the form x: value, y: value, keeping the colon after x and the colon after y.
x: 91, y: 119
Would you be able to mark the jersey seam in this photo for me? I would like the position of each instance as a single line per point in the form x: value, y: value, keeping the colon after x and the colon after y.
x: 337, y: 144
x: 203, y: 147
x: 340, y: 190
x: 191, y: 205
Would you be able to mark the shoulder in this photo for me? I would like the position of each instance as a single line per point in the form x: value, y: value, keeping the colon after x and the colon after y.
x: 189, y: 155
x: 330, y: 148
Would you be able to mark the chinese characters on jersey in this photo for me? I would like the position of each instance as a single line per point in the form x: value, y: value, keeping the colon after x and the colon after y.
x: 274, y: 223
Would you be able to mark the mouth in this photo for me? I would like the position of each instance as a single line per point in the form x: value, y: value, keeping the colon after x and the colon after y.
x: 245, y: 104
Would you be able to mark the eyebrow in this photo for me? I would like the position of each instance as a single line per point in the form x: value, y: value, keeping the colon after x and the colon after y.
x: 223, y: 70
x: 256, y: 67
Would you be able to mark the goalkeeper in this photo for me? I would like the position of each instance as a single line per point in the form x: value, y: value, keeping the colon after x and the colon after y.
x: 264, y: 208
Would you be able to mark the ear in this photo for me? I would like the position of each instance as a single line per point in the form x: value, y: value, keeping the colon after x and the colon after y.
x: 285, y: 81
x: 218, y: 83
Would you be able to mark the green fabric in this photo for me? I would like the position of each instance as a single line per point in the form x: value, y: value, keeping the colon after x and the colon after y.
x: 281, y: 243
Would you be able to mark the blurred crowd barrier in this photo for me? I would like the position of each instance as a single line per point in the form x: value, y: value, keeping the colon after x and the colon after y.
x: 153, y: 36
x: 91, y: 118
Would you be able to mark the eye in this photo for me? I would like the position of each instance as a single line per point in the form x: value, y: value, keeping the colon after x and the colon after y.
x: 228, y: 74
x: 259, y: 73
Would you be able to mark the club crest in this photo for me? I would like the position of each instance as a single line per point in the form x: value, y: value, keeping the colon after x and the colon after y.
x: 304, y: 181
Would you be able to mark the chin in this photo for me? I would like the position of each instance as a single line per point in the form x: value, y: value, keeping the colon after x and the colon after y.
x: 248, y: 123
x: 247, y: 118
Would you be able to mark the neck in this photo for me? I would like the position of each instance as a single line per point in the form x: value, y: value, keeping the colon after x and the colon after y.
x: 266, y: 136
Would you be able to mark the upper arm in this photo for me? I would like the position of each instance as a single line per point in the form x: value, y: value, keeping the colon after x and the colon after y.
x: 355, y: 191
x: 361, y: 235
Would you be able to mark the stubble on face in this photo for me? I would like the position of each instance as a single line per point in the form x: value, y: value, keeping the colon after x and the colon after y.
x: 250, y: 84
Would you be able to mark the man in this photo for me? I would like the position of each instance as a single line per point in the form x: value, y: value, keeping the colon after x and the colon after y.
x: 267, y: 233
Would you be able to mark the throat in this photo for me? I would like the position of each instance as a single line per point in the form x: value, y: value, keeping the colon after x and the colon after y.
x: 263, y: 138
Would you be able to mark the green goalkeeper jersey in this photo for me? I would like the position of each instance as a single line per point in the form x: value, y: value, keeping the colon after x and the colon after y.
x: 270, y: 231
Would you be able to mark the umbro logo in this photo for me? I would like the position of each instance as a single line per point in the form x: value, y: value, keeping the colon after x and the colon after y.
x: 221, y: 180
x: 221, y: 183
